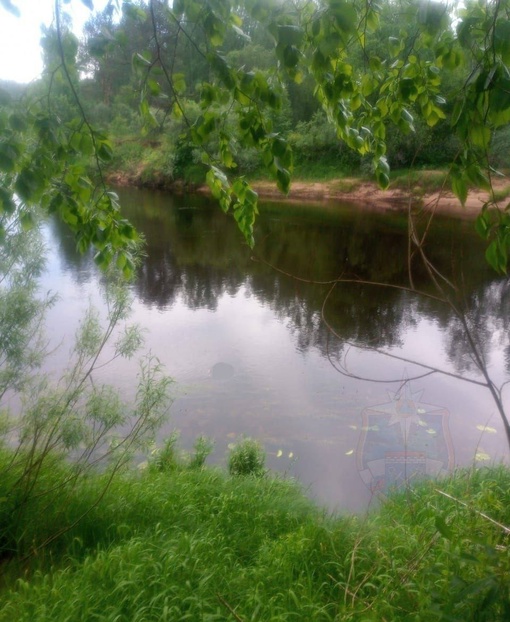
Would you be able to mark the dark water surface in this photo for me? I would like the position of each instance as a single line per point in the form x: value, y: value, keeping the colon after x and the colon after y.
x: 251, y: 355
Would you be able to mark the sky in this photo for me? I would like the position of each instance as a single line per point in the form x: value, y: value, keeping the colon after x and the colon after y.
x: 20, y: 54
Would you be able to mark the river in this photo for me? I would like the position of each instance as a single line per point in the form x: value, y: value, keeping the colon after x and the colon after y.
x: 242, y: 334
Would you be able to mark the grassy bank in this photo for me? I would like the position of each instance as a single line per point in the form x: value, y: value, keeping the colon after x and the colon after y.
x: 148, y: 165
x: 193, y: 543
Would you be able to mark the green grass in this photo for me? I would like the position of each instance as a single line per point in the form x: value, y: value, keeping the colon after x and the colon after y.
x: 419, y: 181
x: 317, y: 171
x: 501, y: 193
x: 196, y: 544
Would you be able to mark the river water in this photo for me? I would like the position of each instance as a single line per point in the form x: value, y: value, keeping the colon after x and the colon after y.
x: 243, y: 334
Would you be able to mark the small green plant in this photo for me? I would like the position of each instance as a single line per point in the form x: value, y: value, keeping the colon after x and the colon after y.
x: 166, y: 458
x: 171, y: 458
x: 202, y: 447
x: 247, y: 458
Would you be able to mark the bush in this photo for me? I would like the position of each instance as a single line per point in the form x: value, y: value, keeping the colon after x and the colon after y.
x: 315, y: 143
x: 247, y: 458
x: 170, y: 458
x: 500, y: 149
x: 202, y: 448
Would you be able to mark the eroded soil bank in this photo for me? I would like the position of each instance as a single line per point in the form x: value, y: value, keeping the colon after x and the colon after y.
x: 366, y: 194
x: 363, y: 193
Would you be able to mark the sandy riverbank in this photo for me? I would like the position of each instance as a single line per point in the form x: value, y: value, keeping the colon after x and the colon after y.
x: 363, y: 193
x: 368, y: 194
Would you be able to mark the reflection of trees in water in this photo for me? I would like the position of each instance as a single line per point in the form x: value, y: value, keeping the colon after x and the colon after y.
x: 163, y: 278
x: 158, y: 281
x: 487, y: 312
x: 80, y: 267
x: 187, y: 252
x: 356, y: 247
x: 196, y: 254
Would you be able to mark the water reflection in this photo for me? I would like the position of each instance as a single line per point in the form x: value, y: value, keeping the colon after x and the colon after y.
x: 211, y: 303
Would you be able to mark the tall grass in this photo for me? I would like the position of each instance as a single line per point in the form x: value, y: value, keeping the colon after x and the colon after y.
x: 197, y: 544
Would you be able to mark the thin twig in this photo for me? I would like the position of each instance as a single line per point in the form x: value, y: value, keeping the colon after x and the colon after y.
x: 225, y: 604
x: 482, y: 514
x: 393, y: 356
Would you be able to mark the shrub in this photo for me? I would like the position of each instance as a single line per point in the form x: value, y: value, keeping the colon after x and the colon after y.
x: 202, y: 448
x: 247, y: 458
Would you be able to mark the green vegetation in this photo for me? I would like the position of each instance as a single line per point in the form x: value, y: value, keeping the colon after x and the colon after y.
x: 190, y: 542
x: 501, y: 194
x: 319, y: 90
x: 222, y: 90
x: 419, y: 182
x: 247, y: 458
x: 43, y: 420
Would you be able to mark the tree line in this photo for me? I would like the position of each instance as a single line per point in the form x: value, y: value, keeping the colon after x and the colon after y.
x: 111, y: 47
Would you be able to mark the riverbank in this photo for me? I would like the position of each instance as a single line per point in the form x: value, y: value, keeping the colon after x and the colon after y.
x: 420, y: 189
x: 187, y: 542
x: 366, y: 194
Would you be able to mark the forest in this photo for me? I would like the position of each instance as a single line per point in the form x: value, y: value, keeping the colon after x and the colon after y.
x: 166, y: 149
x: 227, y: 92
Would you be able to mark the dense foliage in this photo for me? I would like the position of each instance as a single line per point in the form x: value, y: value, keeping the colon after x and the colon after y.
x: 233, y: 87
x: 188, y: 543
x: 226, y: 89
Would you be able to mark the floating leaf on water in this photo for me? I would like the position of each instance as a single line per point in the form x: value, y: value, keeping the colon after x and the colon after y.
x: 486, y: 428
x: 421, y: 410
x: 422, y: 423
x: 279, y: 453
x: 431, y: 431
x: 291, y: 454
x: 480, y: 455
x: 350, y: 452
x: 372, y: 428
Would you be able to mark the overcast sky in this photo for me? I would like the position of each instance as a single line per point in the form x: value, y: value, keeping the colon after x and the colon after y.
x: 20, y: 55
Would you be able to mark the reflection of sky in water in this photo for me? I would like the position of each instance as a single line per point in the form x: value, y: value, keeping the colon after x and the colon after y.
x: 289, y: 397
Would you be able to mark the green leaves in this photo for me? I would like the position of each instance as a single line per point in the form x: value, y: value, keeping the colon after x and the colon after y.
x: 502, y: 39
x: 497, y: 254
x: 382, y: 172
x: 7, y: 203
x: 373, y: 72
x: 396, y: 45
x: 29, y: 184
x: 344, y: 15
x: 44, y: 162
x: 215, y: 29
x: 288, y: 48
x: 290, y: 35
x: 9, y: 153
x: 239, y: 198
x: 493, y: 225
x: 459, y: 185
x: 222, y: 69
x: 134, y: 12
x: 444, y: 528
